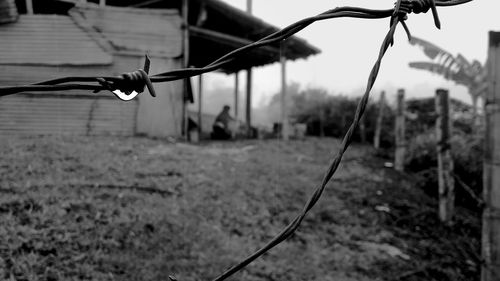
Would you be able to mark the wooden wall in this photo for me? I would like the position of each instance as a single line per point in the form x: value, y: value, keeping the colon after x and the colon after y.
x: 132, y: 33
x: 156, y: 32
x: 82, y: 112
x: 135, y: 32
x: 49, y: 40
x: 69, y: 112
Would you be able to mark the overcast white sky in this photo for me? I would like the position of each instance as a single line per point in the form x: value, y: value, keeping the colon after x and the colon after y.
x: 350, y: 46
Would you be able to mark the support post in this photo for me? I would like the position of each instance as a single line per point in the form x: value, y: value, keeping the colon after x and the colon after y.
x: 249, y: 6
x: 380, y: 119
x: 185, y: 33
x: 249, y: 87
x: 445, y: 162
x: 236, y: 94
x: 29, y: 7
x: 491, y: 176
x: 200, y: 104
x: 284, y: 109
x: 249, y: 102
x: 474, y: 108
x: 102, y: 3
x: 400, y: 132
x: 475, y: 115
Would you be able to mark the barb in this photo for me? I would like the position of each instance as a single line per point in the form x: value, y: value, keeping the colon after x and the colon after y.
x: 131, y: 84
x: 125, y: 85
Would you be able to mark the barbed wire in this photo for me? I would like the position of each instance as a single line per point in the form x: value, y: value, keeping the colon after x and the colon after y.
x: 480, y: 202
x: 136, y: 81
x: 129, y: 85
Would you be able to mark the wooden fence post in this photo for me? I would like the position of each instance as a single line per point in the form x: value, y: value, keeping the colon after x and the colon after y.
x: 185, y: 46
x: 400, y: 132
x: 362, y: 129
x: 491, y: 176
x: 445, y: 161
x: 200, y: 105
x: 380, y: 118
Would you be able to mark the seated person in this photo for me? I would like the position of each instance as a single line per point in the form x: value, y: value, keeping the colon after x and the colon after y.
x: 220, y: 129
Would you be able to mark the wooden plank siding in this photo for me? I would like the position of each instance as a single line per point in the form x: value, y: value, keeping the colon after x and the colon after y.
x: 69, y: 112
x: 140, y: 31
x: 39, y: 113
x: 48, y: 40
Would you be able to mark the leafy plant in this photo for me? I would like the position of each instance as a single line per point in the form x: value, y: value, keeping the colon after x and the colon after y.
x: 455, y: 68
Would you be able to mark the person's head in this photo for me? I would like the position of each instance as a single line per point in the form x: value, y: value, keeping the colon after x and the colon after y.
x: 226, y: 108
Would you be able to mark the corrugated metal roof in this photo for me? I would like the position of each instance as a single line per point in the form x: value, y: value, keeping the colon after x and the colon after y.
x: 8, y: 11
x: 49, y: 40
x: 157, y: 32
x: 223, y: 17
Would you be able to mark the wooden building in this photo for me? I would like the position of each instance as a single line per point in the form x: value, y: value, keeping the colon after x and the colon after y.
x: 55, y: 38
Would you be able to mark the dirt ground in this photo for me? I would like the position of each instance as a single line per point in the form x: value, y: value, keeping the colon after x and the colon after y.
x: 107, y: 208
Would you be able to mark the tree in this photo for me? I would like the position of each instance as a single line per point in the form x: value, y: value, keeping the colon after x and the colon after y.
x: 455, y: 68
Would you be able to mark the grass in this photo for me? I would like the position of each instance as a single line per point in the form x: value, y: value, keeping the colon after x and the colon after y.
x: 104, y: 208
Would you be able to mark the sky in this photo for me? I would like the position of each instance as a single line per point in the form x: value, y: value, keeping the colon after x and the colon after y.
x: 349, y: 48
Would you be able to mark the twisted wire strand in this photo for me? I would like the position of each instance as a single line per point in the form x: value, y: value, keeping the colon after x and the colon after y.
x: 83, y: 83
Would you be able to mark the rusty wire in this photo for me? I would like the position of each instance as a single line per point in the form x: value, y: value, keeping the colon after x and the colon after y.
x: 139, y: 80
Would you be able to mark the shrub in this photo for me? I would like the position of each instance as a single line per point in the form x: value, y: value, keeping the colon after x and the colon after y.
x: 466, y: 150
x: 328, y: 115
x: 333, y: 114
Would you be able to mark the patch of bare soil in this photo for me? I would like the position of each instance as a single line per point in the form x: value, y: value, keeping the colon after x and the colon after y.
x: 88, y: 208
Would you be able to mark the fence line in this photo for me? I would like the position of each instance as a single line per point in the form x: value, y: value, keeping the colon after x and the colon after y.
x: 131, y: 84
x: 400, y: 131
x: 446, y: 174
